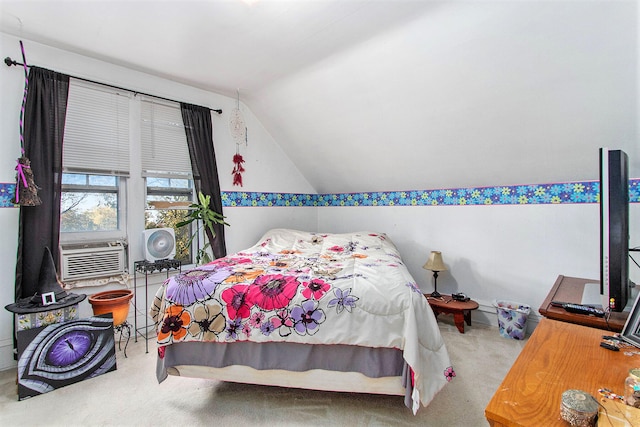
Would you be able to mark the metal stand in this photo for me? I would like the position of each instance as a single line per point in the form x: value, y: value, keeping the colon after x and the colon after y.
x: 147, y: 267
x: 122, y: 328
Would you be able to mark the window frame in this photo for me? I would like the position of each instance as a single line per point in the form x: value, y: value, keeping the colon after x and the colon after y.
x: 174, y: 191
x: 132, y: 182
x: 120, y: 233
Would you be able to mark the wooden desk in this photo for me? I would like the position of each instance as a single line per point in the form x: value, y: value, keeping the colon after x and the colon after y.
x: 559, y: 356
x: 569, y: 289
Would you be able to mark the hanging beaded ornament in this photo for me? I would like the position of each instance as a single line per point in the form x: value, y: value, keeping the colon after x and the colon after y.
x: 238, y: 130
x: 26, y: 188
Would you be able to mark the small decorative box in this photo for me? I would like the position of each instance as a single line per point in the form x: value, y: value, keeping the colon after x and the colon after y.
x: 578, y: 408
x: 44, y: 318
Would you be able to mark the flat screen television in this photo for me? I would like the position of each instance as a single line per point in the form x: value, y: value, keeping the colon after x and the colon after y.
x: 614, y: 288
x: 614, y: 228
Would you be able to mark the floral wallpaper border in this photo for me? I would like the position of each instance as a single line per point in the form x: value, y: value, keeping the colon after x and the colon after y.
x: 532, y: 194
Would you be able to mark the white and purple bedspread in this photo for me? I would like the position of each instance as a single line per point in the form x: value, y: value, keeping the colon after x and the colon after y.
x: 309, y: 288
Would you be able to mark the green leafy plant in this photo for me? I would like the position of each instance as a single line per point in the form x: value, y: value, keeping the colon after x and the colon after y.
x: 202, y: 214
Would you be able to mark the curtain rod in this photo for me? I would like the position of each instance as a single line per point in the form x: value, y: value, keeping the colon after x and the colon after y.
x: 11, y: 62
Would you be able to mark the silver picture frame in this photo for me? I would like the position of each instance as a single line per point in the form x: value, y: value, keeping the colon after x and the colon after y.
x: 631, y: 331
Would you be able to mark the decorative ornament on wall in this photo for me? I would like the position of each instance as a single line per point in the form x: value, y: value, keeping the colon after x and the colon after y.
x: 238, y: 127
x: 237, y: 169
x: 238, y: 130
x: 26, y: 189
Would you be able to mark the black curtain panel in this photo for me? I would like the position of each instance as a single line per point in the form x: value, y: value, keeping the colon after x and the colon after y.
x: 39, y: 226
x: 199, y: 130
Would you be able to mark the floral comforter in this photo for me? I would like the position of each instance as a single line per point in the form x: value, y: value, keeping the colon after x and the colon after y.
x: 309, y: 288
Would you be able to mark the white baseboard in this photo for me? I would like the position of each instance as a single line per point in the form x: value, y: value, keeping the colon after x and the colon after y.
x: 6, y: 355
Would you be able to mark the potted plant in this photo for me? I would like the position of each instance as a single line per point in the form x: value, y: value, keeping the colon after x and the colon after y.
x: 206, y: 217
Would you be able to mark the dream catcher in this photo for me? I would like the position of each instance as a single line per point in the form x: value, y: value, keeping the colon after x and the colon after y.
x: 26, y: 188
x: 238, y: 131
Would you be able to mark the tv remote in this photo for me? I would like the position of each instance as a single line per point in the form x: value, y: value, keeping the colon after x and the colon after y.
x: 583, y: 309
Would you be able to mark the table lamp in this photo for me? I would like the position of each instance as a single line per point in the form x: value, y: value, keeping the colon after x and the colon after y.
x: 435, y: 264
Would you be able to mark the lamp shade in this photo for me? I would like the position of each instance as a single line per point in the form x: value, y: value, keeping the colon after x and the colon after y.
x: 435, y: 263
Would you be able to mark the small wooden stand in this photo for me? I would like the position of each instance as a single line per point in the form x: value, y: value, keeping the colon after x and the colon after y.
x: 461, y: 310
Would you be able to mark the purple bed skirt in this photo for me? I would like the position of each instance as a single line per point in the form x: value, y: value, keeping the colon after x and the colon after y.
x: 371, y: 362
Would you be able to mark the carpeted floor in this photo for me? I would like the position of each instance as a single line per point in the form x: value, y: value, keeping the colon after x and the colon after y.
x: 131, y: 396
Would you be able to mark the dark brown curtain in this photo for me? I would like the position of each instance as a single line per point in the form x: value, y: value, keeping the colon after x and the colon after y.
x: 199, y: 130
x: 39, y: 226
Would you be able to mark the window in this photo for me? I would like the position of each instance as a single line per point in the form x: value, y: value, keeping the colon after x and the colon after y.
x: 96, y: 163
x: 126, y: 167
x: 96, y: 130
x: 89, y: 203
x: 165, y: 152
x: 166, y: 167
x: 167, y: 202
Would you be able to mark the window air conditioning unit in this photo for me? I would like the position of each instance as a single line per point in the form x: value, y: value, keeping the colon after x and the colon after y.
x: 159, y: 243
x: 92, y: 260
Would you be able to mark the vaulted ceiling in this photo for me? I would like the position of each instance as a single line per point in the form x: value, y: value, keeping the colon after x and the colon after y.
x: 371, y: 95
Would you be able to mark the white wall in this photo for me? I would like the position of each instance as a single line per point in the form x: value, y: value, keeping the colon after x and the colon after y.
x: 267, y: 167
x: 468, y: 93
x: 252, y: 223
x: 504, y: 252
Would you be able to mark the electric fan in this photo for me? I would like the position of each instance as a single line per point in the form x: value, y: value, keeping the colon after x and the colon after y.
x: 159, y: 243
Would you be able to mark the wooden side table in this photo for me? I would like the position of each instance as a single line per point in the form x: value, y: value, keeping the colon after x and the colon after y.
x: 461, y: 310
x: 569, y: 289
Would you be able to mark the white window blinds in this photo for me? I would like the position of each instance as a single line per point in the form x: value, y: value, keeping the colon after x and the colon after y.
x: 96, y: 134
x: 164, y: 143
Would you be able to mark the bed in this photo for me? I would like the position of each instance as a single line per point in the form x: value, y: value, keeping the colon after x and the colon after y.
x: 337, y: 312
